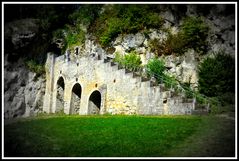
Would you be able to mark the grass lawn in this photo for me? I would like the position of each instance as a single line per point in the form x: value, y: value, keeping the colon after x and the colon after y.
x: 120, y: 136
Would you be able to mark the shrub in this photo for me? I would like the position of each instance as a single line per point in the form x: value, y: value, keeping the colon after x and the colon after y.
x: 118, y: 19
x: 195, y: 31
x: 118, y: 58
x: 217, y: 75
x: 153, y: 20
x: 71, y: 35
x: 157, y: 47
x: 85, y: 15
x: 189, y: 93
x: 193, y: 34
x: 173, y: 45
x: 114, y: 28
x: 170, y: 81
x: 33, y: 66
x: 156, y: 68
x: 130, y: 61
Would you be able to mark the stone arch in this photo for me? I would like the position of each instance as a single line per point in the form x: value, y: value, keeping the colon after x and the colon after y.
x: 75, y: 98
x: 60, y: 85
x: 94, y: 103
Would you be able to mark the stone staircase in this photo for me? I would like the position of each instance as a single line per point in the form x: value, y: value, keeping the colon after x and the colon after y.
x: 168, y: 96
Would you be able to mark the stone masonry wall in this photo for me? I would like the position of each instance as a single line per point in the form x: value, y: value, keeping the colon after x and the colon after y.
x: 121, y: 92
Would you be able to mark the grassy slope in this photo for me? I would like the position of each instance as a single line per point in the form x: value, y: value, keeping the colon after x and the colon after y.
x: 215, y: 137
x: 117, y: 136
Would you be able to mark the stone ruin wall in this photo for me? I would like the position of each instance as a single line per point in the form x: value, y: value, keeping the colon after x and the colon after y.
x: 120, y: 92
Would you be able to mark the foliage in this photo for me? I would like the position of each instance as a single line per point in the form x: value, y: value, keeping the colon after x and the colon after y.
x: 192, y: 34
x: 39, y: 69
x: 174, y: 44
x: 156, y: 68
x: 119, y: 19
x: 188, y: 90
x: 72, y: 35
x: 195, y: 32
x: 130, y: 61
x: 170, y: 81
x: 115, y: 26
x: 118, y: 58
x: 85, y: 14
x: 217, y: 75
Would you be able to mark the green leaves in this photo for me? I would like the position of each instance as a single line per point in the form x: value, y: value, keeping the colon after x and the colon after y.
x: 155, y: 67
x: 217, y: 75
x: 118, y: 19
x: 195, y: 32
x: 130, y: 61
x: 192, y: 34
x: 35, y: 67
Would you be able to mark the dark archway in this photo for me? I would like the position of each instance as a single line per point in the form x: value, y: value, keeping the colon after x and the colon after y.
x: 94, y: 103
x: 75, y: 98
x: 60, y: 95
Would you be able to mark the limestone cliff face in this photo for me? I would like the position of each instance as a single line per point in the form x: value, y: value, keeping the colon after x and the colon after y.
x: 23, y: 93
x: 20, y: 33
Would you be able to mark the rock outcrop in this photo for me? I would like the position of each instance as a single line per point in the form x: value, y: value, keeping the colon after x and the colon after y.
x: 23, y: 93
x: 20, y: 33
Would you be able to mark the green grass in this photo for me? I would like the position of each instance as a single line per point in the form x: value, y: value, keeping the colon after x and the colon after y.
x: 114, y: 136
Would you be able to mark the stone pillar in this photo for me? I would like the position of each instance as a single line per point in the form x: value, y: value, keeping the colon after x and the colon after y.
x: 49, y: 67
x: 103, y: 92
x: 84, y: 104
x: 194, y: 103
x: 54, y: 95
x: 67, y: 98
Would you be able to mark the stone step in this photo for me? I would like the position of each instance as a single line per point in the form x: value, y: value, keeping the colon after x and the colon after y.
x: 122, y: 71
x: 113, y: 63
x: 162, y: 87
x: 145, y: 84
x: 187, y: 100
x: 127, y: 71
x: 106, y: 60
x: 99, y: 60
x: 152, y: 84
x: 137, y: 77
x: 120, y: 66
x: 144, y: 79
x: 166, y: 94
x: 114, y: 67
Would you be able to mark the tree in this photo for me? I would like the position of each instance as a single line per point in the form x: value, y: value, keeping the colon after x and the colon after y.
x: 217, y: 75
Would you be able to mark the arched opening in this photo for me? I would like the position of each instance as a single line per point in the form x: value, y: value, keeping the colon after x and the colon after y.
x: 75, y: 99
x: 94, y: 103
x: 60, y: 95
